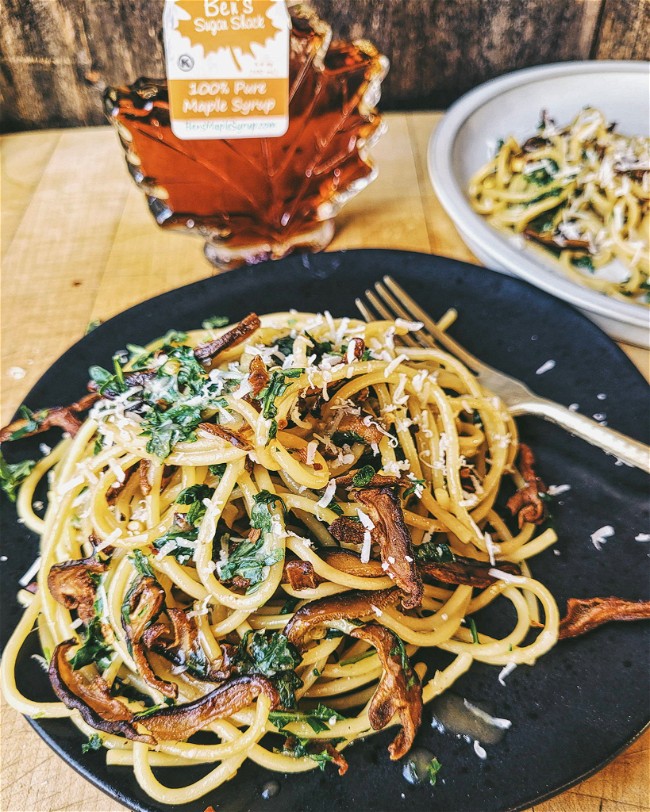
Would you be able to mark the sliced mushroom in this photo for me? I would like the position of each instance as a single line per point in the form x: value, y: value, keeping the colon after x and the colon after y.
x: 347, y: 530
x: 61, y: 416
x: 181, y: 645
x: 527, y: 503
x: 92, y: 699
x: 240, y: 332
x: 258, y: 375
x: 392, y: 536
x: 182, y: 721
x: 584, y: 615
x: 561, y: 243
x: 399, y: 689
x: 71, y: 584
x: 350, y: 563
x: 145, y: 602
x: 300, y: 574
x: 232, y: 437
x: 465, y: 571
x: 356, y: 603
x: 143, y: 472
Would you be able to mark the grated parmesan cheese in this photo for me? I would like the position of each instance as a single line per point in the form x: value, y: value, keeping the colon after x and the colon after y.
x: 411, y: 326
x: 506, y: 671
x: 394, y: 364
x: 328, y: 495
x: 600, y: 536
x: 507, y: 577
x: 556, y: 490
x: 31, y: 572
x: 312, y: 446
x: 545, y: 367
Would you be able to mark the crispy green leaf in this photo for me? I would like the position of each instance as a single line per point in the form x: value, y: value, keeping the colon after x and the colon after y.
x: 13, y: 474
x: 94, y: 743
x: 363, y: 476
x: 215, y: 321
x: 433, y: 552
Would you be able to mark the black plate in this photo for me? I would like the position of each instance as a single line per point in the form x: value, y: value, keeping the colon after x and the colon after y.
x: 584, y: 701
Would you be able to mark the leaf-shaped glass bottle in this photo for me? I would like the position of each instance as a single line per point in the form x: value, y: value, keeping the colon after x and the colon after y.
x: 262, y: 198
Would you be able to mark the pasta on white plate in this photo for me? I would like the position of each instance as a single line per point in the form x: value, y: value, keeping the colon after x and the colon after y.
x: 582, y: 193
x: 256, y: 531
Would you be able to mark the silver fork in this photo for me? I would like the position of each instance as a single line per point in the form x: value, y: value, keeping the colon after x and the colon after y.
x: 390, y: 301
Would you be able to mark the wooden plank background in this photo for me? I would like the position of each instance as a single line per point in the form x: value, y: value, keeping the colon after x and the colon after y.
x: 51, y: 51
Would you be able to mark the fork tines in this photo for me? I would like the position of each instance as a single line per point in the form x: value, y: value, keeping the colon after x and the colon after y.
x: 391, y: 301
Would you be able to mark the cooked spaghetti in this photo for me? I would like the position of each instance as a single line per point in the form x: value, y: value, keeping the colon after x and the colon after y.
x: 583, y: 193
x: 255, y: 532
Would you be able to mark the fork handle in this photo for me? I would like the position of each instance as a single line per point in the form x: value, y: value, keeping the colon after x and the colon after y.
x: 613, y: 442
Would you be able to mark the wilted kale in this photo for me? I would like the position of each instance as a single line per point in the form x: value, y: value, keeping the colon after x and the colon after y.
x: 13, y: 474
x: 317, y: 719
x: 94, y: 743
x: 433, y: 552
x: 261, y: 513
x: 248, y: 561
x: 95, y: 649
x: 182, y: 552
x: 194, y: 496
x: 273, y: 656
x: 316, y: 750
x: 172, y: 426
x: 363, y: 476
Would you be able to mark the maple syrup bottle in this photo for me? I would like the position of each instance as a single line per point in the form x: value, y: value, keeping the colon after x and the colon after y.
x: 260, y: 198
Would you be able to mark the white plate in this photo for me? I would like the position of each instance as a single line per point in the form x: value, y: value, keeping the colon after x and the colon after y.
x: 510, y: 105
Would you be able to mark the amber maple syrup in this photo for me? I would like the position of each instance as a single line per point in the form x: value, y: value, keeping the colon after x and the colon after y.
x: 257, y: 198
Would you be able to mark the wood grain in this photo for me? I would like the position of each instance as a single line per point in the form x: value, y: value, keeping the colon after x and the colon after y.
x: 51, y: 49
x: 624, y: 31
x: 81, y: 244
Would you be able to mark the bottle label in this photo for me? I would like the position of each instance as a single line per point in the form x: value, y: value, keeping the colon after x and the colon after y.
x: 227, y: 67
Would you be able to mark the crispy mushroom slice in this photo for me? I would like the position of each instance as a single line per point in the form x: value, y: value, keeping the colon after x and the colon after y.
x: 392, y: 536
x: 465, y: 571
x: 232, y: 437
x: 71, y: 584
x: 143, y: 472
x: 300, y: 574
x: 527, y: 503
x: 356, y: 603
x: 61, y: 416
x: 182, y: 721
x: 347, y: 530
x: 181, y: 645
x: 553, y: 242
x: 584, y: 615
x: 239, y: 333
x: 351, y: 563
x: 92, y: 699
x: 399, y: 689
x: 258, y: 376
x: 145, y: 602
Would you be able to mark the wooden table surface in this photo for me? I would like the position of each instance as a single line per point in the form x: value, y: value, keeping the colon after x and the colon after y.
x: 79, y: 244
